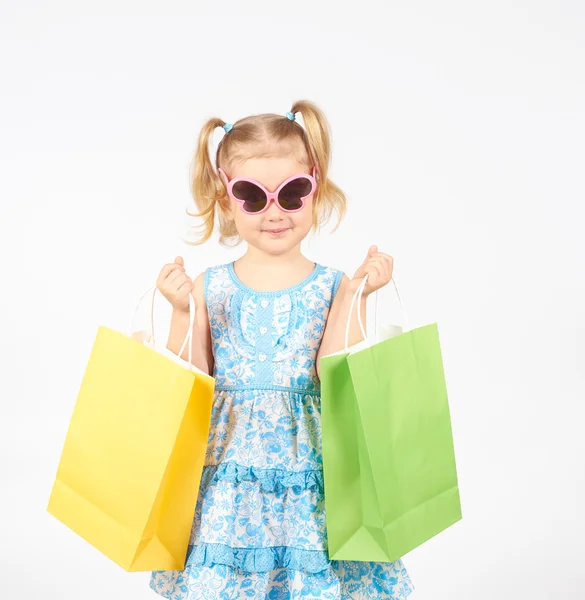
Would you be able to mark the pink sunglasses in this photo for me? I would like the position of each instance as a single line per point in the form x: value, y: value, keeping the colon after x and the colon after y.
x: 254, y: 198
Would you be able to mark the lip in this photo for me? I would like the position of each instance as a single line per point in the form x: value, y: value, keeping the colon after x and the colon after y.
x: 276, y: 232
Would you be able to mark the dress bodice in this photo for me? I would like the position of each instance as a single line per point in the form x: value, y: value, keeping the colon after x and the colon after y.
x: 267, y: 340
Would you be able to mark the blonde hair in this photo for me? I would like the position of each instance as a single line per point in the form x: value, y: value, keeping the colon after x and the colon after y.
x: 261, y: 136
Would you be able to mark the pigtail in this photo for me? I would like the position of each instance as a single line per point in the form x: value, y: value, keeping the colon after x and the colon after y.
x: 329, y: 197
x: 209, y: 192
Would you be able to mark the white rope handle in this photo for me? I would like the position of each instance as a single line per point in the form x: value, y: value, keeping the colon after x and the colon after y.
x: 188, y: 337
x: 404, y: 316
x: 358, y: 294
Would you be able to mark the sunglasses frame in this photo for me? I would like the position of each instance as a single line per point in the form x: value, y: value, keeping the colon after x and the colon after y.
x: 271, y: 196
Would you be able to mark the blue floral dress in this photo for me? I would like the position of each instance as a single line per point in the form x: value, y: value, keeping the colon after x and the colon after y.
x: 259, y: 528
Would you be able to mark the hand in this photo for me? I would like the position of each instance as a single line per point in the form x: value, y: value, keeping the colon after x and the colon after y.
x: 175, y: 285
x: 378, y: 267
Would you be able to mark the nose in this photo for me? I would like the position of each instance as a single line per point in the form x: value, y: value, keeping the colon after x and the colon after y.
x: 274, y: 213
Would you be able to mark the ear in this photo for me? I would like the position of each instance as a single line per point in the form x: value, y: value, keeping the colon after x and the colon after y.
x: 226, y: 210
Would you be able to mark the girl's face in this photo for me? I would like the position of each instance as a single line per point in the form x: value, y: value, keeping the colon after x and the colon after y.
x: 273, y: 231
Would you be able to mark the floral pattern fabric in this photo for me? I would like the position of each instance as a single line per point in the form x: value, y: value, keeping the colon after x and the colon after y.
x: 259, y: 529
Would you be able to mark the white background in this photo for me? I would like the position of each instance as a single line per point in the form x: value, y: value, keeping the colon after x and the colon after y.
x: 458, y: 134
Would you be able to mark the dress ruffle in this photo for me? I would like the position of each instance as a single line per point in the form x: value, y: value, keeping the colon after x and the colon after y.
x: 241, y: 506
x: 343, y: 581
x: 258, y: 559
x: 270, y: 480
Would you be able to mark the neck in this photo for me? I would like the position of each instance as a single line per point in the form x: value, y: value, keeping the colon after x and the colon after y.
x: 256, y: 257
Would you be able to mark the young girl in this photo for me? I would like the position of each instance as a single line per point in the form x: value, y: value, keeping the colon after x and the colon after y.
x: 262, y: 323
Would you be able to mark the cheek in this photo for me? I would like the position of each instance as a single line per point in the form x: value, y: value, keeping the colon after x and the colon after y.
x: 243, y: 221
x: 304, y: 218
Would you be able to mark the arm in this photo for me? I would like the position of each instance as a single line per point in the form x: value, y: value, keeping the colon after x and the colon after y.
x: 334, y: 335
x: 379, y: 268
x: 202, y: 356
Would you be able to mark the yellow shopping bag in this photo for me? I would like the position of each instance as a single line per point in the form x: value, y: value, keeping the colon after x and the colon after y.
x: 131, y: 464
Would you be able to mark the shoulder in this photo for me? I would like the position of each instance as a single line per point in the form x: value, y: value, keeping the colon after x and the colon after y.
x: 333, y: 277
x: 215, y: 278
x: 199, y: 287
x: 199, y: 282
x: 344, y: 283
x: 216, y: 270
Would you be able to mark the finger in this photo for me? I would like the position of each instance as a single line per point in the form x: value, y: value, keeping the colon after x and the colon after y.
x: 176, y: 278
x: 386, y: 269
x: 387, y: 260
x: 373, y: 271
x: 385, y: 265
x: 370, y: 251
x: 179, y: 261
x: 166, y: 271
x: 379, y: 260
x: 186, y: 285
x: 384, y: 256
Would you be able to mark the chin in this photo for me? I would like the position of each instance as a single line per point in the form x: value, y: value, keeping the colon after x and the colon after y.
x: 275, y: 245
x: 279, y: 245
x: 276, y: 248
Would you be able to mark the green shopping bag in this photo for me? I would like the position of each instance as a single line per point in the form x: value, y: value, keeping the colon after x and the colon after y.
x: 388, y: 457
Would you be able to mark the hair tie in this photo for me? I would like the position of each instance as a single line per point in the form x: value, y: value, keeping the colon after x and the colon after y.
x: 228, y: 127
x: 290, y: 115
